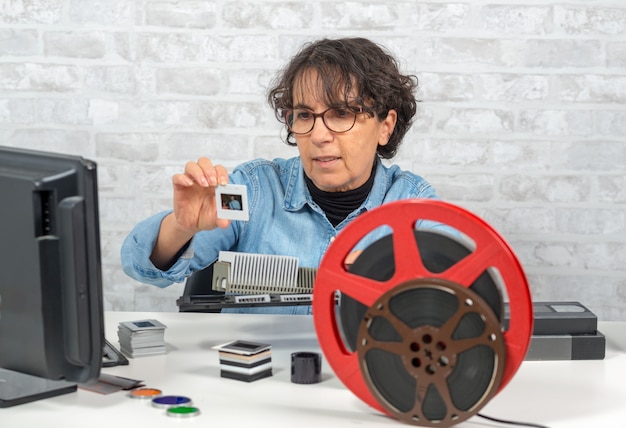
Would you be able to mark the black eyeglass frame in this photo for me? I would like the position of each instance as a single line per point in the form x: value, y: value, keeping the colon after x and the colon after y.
x: 356, y: 110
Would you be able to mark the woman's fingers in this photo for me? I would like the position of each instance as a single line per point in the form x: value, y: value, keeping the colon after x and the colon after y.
x: 222, y: 175
x: 194, y: 194
x: 200, y: 172
x: 182, y: 180
x: 205, y: 173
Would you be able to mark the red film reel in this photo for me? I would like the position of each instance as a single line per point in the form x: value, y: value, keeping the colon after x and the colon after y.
x: 490, y: 252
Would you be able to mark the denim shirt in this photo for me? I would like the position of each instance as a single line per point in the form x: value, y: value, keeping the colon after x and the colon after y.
x: 284, y: 220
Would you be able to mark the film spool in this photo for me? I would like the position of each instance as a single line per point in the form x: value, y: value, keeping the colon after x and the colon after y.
x: 430, y: 352
x: 359, y: 369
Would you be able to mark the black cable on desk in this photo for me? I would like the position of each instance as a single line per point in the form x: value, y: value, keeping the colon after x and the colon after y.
x: 503, y: 421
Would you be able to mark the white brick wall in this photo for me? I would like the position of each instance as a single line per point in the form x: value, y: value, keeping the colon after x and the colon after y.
x: 522, y: 120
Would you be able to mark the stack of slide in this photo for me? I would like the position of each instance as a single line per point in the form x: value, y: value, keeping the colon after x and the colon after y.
x: 246, y: 361
x: 142, y: 337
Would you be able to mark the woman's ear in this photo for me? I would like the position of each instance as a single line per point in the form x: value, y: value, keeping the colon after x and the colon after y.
x: 387, y: 126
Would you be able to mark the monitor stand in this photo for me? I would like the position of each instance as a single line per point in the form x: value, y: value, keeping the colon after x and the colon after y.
x: 19, y: 388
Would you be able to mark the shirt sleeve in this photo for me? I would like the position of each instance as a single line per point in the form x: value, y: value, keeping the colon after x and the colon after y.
x: 137, y: 248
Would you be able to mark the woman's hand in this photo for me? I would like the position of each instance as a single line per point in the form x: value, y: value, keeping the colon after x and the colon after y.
x: 195, y: 204
x: 195, y: 209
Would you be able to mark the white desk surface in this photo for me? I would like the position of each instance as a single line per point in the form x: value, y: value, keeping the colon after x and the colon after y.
x: 559, y: 394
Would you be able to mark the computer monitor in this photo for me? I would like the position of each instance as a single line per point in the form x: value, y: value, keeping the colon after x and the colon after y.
x: 51, y: 311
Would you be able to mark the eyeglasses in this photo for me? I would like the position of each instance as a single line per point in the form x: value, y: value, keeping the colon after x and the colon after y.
x: 336, y: 119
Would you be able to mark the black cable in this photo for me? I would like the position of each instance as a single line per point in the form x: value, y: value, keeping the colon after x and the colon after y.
x: 503, y: 421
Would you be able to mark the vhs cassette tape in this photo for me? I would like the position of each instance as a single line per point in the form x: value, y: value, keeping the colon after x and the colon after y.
x: 560, y: 318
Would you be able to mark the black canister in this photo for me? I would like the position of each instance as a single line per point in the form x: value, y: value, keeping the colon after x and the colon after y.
x: 306, y: 367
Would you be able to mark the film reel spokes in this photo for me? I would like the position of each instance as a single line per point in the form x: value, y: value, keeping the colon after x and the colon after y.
x: 411, y: 262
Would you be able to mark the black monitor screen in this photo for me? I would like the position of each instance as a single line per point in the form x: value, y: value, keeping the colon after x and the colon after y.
x: 51, y: 312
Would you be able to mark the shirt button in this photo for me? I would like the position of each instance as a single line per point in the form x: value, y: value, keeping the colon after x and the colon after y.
x: 332, y: 239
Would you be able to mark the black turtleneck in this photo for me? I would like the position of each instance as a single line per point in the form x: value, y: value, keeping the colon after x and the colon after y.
x: 338, y: 205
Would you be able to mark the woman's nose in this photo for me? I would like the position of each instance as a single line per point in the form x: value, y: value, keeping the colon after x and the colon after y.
x: 320, y: 133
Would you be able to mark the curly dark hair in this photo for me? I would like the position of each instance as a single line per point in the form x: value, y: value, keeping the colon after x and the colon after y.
x: 344, y: 65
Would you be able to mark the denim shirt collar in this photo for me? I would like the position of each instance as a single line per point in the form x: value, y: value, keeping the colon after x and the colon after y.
x: 297, y: 194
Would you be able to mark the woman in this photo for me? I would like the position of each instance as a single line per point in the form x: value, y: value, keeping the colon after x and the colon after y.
x: 345, y: 105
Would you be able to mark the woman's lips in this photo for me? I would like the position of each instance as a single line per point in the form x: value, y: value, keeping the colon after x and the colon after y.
x: 326, y: 161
